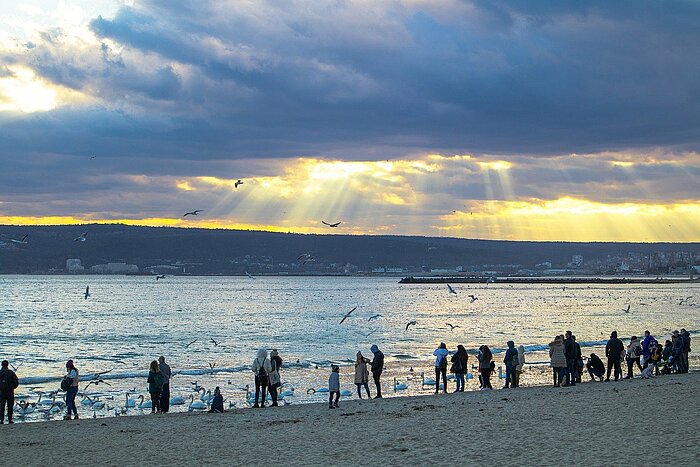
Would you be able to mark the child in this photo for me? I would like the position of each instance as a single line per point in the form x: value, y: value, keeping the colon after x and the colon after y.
x: 334, y: 387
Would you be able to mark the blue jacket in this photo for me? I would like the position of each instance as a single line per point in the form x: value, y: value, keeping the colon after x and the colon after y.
x: 647, y: 344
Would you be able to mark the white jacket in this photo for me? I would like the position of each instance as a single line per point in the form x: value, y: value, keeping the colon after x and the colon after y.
x: 521, y: 358
x: 261, y: 361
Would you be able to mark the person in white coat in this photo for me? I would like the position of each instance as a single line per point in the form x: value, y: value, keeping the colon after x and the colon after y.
x: 261, y: 368
x: 521, y: 363
x: 441, y: 367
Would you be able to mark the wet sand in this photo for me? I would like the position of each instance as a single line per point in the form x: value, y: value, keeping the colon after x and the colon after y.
x: 642, y: 422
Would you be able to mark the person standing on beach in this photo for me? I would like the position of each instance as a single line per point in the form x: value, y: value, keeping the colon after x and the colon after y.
x: 510, y: 359
x: 648, y: 347
x: 634, y: 353
x: 521, y: 364
x: 155, y: 386
x: 613, y: 351
x: 275, y: 379
x: 441, y: 367
x: 165, y: 395
x: 557, y: 359
x: 8, y: 384
x: 579, y: 360
x: 72, y: 374
x: 596, y: 367
x: 361, y: 374
x: 677, y: 355
x: 485, y: 358
x: 334, y: 387
x: 570, y: 355
x: 377, y: 368
x: 686, y: 349
x: 459, y: 360
x: 261, y: 368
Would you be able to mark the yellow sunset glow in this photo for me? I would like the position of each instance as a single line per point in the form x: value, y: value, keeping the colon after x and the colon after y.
x: 24, y: 92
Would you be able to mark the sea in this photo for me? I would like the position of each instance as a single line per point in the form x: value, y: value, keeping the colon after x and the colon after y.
x: 210, y: 328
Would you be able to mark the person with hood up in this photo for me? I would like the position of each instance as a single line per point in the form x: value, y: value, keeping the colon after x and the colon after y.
x: 441, y: 367
x: 217, y: 404
x: 557, y: 360
x: 377, y: 368
x: 334, y: 387
x: 634, y: 353
x: 485, y: 358
x: 570, y: 354
x: 613, y: 351
x: 510, y: 359
x: 521, y: 365
x: 261, y: 367
x: 648, y: 347
x: 8, y: 384
x: 595, y: 367
x: 459, y: 366
x: 686, y: 349
x: 361, y: 374
x: 275, y: 380
x: 165, y: 395
x: 677, y: 355
x: 72, y: 374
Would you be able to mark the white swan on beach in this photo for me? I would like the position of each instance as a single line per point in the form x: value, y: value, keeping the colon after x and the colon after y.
x: 346, y: 393
x: 146, y: 404
x: 196, y: 405
x: 24, y: 408
x: 129, y: 403
x: 399, y: 386
x: 206, y: 396
x: 287, y: 392
x: 426, y: 382
x: 177, y: 400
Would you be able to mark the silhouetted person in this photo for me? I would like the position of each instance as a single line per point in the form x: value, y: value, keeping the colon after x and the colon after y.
x: 685, y: 335
x: 595, y: 367
x: 613, y: 351
x: 165, y: 395
x: 217, y: 404
x: 377, y: 368
x: 73, y: 375
x: 570, y: 355
x: 8, y: 384
x: 510, y: 359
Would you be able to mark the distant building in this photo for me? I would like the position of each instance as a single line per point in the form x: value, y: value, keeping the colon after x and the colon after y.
x: 74, y: 266
x: 114, y: 268
x: 577, y: 261
x: 164, y: 269
x: 394, y: 270
x: 379, y: 270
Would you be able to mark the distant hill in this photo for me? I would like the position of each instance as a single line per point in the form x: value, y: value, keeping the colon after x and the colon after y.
x: 224, y: 251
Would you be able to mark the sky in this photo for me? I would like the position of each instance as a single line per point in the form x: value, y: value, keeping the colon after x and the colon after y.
x: 539, y: 120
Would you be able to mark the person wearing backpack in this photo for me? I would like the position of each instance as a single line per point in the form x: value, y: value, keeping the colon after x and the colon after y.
x: 8, y: 384
x: 72, y: 376
x: 634, y: 353
x: 459, y: 366
x: 511, y: 361
x: 155, y: 386
x: 441, y: 367
x: 261, y: 368
x: 485, y: 358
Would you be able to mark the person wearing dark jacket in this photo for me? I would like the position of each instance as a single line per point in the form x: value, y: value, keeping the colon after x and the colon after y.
x: 459, y: 366
x: 8, y: 384
x: 217, y: 404
x: 613, y: 351
x: 155, y: 386
x: 377, y: 368
x: 686, y: 350
x: 167, y: 374
x: 510, y: 359
x: 677, y: 354
x: 596, y: 367
x: 570, y: 354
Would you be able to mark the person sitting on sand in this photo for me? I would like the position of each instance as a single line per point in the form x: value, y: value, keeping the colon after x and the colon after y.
x: 666, y: 357
x: 72, y: 374
x: 521, y: 364
x: 485, y: 358
x: 613, y: 351
x: 634, y: 354
x: 275, y: 379
x: 459, y: 360
x: 557, y: 360
x: 155, y: 386
x: 441, y: 367
x: 377, y: 368
x: 334, y: 387
x: 217, y: 404
x: 595, y: 367
x: 261, y: 368
x: 361, y: 374
x: 510, y: 359
x: 8, y: 384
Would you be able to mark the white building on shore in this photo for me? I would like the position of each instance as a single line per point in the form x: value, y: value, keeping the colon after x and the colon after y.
x: 114, y: 268
x: 74, y: 266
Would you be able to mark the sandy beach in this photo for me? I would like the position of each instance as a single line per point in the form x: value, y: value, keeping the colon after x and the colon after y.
x: 644, y: 422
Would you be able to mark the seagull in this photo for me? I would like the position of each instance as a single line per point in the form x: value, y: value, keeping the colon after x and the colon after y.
x: 211, y: 367
x: 306, y: 257
x: 452, y: 326
x: 374, y: 317
x: 23, y: 241
x: 96, y: 382
x: 474, y: 298
x: 188, y: 345
x: 16, y: 367
x: 311, y: 391
x: 249, y: 276
x: 347, y: 315
x: 330, y: 225
x: 93, y: 157
x: 238, y: 182
x: 82, y: 238
x: 410, y: 323
x: 627, y: 310
x: 162, y: 276
x: 193, y: 213
x: 452, y: 291
x: 87, y: 292
x: 683, y: 300
x: 371, y: 332
x: 216, y: 344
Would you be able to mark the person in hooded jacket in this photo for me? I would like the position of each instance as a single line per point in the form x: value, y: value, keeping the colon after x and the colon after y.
x: 73, y: 375
x: 8, y: 384
x: 634, y: 353
x: 261, y: 367
x: 557, y: 360
x: 441, y: 367
x: 377, y: 369
x: 570, y: 354
x: 613, y: 352
x: 217, y: 404
x: 648, y: 347
x: 595, y: 367
x: 459, y: 360
x: 677, y: 355
x: 275, y: 380
x: 510, y: 359
x: 361, y: 374
x: 485, y: 358
x: 686, y: 349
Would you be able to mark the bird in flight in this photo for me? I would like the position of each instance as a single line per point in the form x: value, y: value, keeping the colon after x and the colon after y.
x: 161, y: 276
x: 238, y: 182
x: 23, y: 241
x: 452, y: 326
x: 82, y: 238
x: 410, y: 323
x: 216, y: 344
x: 211, y: 367
x: 683, y: 300
x: 627, y: 310
x: 336, y: 224
x: 193, y: 213
x: 473, y: 298
x: 371, y: 332
x: 87, y: 292
x: 249, y: 276
x: 188, y: 345
x: 306, y: 257
x: 374, y: 317
x: 347, y: 315
x: 452, y: 291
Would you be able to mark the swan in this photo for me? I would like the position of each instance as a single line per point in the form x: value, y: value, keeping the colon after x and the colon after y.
x: 426, y: 382
x: 177, y: 400
x: 129, y: 403
x: 346, y: 393
x: 198, y: 405
x: 98, y: 405
x: 45, y: 402
x: 86, y: 400
x: 322, y: 390
x: 207, y: 397
x: 146, y: 404
x: 288, y: 392
x: 25, y: 408
x: 399, y: 386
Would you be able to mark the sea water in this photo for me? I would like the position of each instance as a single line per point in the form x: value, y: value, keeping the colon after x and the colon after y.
x: 127, y: 322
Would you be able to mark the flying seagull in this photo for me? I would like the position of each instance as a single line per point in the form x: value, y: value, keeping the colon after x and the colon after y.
x: 87, y: 292
x: 627, y: 310
x: 238, y: 182
x: 452, y: 326
x: 474, y: 298
x: 330, y: 225
x: 410, y: 323
x: 162, y: 276
x: 374, y: 317
x: 23, y: 241
x: 371, y: 332
x: 193, y: 213
x: 188, y: 345
x: 452, y: 291
x: 683, y: 300
x: 249, y: 276
x: 347, y: 315
x: 211, y: 367
x: 82, y: 238
x: 216, y: 344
